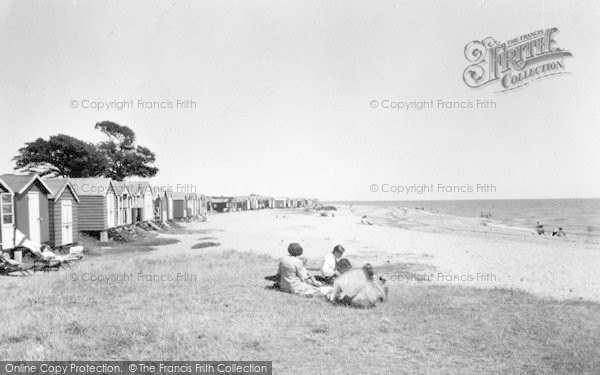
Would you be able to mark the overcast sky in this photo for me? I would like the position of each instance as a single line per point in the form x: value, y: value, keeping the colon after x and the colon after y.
x: 283, y: 91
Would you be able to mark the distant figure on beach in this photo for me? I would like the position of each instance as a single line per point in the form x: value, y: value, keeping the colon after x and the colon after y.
x: 358, y: 288
x: 293, y: 277
x: 539, y: 228
x: 365, y: 221
x: 558, y: 232
x: 329, y: 268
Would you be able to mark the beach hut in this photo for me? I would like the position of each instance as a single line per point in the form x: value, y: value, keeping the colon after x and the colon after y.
x: 124, y: 203
x: 208, y: 203
x: 242, y: 203
x: 160, y: 204
x: 222, y: 204
x: 280, y: 202
x: 269, y: 202
x: 180, y: 205
x: 30, y: 205
x: 192, y: 205
x: 143, y: 204
x: 63, y: 210
x: 169, y: 204
x: 7, y: 217
x: 97, y: 205
x: 254, y: 202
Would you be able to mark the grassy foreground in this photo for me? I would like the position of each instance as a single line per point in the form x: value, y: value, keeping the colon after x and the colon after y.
x: 220, y: 310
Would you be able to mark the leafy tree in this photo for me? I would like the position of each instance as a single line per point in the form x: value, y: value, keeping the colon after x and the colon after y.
x: 66, y: 156
x: 61, y: 155
x: 124, y: 157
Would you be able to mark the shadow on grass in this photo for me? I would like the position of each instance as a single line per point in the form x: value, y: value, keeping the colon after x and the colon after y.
x: 143, y: 242
x: 203, y: 245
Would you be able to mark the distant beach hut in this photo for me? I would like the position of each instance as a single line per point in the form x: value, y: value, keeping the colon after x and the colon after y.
x: 180, y: 205
x: 242, y: 203
x: 97, y: 205
x: 168, y: 196
x: 160, y: 204
x: 124, y: 203
x: 222, y: 204
x: 281, y: 202
x: 202, y: 204
x: 254, y: 202
x: 192, y: 205
x: 63, y: 209
x: 143, y: 207
x: 7, y: 217
x: 270, y: 202
x: 207, y: 203
x: 30, y: 206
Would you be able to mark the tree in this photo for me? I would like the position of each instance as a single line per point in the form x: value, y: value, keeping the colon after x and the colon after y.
x: 124, y: 157
x: 66, y: 156
x: 61, y: 155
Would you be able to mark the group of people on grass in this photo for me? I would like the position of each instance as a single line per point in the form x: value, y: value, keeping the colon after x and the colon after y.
x: 337, y: 281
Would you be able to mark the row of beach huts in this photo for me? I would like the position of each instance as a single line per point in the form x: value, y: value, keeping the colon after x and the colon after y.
x: 54, y: 211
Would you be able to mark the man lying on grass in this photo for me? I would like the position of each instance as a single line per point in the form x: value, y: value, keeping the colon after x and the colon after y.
x: 359, y: 288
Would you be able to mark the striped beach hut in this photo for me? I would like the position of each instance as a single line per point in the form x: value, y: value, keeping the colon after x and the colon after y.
x: 30, y: 206
x: 97, y: 205
x: 7, y: 217
x: 63, y: 209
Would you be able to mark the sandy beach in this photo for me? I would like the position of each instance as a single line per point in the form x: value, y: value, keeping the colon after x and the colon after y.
x: 440, y: 249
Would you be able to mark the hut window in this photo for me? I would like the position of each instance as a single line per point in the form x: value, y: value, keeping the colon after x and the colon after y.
x: 7, y: 209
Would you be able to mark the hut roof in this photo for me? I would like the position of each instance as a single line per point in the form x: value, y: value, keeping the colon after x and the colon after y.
x: 5, y: 185
x: 58, y: 186
x: 19, y: 183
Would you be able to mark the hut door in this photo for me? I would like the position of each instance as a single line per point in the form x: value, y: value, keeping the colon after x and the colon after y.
x: 110, y: 210
x: 33, y: 201
x: 67, y: 221
x: 7, y: 221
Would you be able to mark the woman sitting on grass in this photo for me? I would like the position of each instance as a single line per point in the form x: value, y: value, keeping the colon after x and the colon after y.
x: 294, y: 278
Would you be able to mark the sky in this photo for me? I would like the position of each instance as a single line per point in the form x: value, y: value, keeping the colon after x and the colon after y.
x: 282, y: 93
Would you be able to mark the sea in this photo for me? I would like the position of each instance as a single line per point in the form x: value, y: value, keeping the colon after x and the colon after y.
x: 578, y: 217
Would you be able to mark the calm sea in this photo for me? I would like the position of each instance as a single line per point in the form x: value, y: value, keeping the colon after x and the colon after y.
x: 579, y: 217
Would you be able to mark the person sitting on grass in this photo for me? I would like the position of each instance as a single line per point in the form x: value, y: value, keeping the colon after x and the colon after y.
x: 329, y: 268
x: 365, y: 221
x: 359, y: 288
x: 294, y: 278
